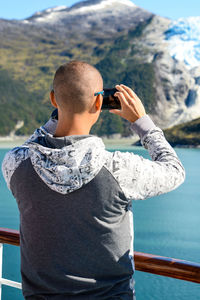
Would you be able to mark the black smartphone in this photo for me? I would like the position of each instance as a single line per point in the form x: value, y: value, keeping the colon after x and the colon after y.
x: 109, y: 100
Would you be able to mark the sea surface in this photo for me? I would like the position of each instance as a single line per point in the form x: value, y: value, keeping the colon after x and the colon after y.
x: 167, y: 225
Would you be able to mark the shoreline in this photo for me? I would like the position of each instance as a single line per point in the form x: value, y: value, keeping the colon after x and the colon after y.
x: 110, y: 143
x: 113, y: 142
x: 12, y: 141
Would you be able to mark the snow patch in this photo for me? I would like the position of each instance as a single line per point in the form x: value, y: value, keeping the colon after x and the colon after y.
x: 50, y: 17
x: 57, y: 8
x: 102, y: 5
x: 183, y: 36
x: 52, y: 14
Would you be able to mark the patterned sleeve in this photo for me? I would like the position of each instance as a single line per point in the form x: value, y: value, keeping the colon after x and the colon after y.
x: 15, y: 156
x: 12, y: 160
x: 142, y: 178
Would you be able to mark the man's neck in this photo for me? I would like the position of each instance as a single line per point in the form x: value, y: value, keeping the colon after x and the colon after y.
x: 78, y: 125
x: 72, y: 131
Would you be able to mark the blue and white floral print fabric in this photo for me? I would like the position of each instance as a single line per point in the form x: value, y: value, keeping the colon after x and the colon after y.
x: 63, y: 170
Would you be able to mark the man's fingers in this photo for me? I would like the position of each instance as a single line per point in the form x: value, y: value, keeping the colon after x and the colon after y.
x: 122, y: 98
x: 129, y: 91
x: 123, y: 90
x: 131, y: 106
x: 123, y: 102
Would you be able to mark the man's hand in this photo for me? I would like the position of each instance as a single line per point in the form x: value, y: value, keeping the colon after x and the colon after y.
x: 131, y: 106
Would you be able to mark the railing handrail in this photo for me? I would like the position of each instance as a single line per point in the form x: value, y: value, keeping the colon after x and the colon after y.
x: 160, y: 265
x: 9, y: 236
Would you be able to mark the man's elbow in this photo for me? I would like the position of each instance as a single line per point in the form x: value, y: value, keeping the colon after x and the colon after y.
x: 183, y: 173
x: 175, y: 177
x: 180, y: 176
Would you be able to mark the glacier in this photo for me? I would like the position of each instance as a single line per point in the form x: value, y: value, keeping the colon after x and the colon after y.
x: 183, y: 37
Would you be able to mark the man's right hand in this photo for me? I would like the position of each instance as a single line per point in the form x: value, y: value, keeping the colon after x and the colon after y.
x: 131, y: 106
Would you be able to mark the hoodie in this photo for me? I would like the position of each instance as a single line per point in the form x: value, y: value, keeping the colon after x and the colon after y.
x: 75, y: 203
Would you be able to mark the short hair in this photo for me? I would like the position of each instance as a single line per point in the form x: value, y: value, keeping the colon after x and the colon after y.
x: 74, y: 85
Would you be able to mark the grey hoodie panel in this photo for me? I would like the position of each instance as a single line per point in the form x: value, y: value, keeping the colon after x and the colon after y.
x: 124, y: 294
x: 74, y: 243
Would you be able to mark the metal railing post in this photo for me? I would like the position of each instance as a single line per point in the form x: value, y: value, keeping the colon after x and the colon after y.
x: 1, y: 266
x: 4, y: 281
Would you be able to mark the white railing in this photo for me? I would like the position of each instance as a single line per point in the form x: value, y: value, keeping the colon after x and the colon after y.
x: 4, y: 281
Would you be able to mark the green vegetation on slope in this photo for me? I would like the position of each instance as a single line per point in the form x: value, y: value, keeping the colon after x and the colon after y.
x: 29, y: 60
x: 184, y: 134
x: 19, y: 104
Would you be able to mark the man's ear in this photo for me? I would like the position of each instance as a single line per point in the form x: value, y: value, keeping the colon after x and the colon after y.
x: 98, y: 102
x: 53, y: 99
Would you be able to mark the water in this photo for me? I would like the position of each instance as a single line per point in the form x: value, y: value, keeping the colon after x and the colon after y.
x: 167, y: 225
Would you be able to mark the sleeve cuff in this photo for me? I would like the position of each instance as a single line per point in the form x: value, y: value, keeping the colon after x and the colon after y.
x: 143, y: 125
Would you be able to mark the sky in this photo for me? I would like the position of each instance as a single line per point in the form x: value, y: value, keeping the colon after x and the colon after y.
x: 173, y: 9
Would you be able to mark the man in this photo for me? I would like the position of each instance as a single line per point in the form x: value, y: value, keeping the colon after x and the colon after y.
x: 74, y: 197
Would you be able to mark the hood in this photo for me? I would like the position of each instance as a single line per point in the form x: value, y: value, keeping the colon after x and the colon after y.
x: 66, y: 164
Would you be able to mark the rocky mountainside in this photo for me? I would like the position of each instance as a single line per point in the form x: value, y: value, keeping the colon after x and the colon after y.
x: 177, y: 84
x: 125, y: 42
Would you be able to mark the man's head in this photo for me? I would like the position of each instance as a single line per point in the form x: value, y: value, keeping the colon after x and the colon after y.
x: 74, y: 86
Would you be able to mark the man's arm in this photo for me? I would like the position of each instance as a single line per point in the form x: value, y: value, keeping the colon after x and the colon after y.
x: 138, y: 177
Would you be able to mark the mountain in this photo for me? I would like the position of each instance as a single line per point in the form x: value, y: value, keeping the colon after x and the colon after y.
x: 125, y: 42
x: 94, y: 19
